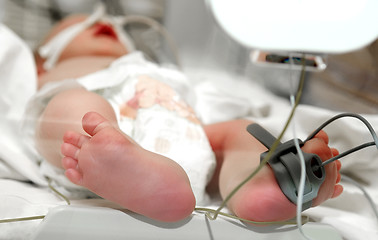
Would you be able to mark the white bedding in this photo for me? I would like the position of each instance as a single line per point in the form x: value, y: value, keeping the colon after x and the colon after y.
x: 219, y: 97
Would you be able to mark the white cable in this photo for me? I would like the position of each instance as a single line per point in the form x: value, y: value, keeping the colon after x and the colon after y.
x: 123, y: 36
x: 366, y: 194
x: 156, y: 26
x: 301, y: 158
x: 303, y: 176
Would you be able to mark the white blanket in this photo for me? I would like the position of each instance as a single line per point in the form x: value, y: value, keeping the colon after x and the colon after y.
x: 219, y: 97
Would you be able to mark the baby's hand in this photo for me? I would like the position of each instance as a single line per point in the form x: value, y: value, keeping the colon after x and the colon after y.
x: 330, y: 187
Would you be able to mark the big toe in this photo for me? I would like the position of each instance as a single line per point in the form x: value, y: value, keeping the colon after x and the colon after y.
x: 93, y: 122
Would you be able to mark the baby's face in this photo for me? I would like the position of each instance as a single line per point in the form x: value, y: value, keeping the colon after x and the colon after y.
x: 98, y: 40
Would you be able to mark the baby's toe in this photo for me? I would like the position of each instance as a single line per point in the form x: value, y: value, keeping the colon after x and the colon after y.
x: 68, y: 162
x: 93, y: 122
x: 74, y: 176
x: 74, y: 138
x: 338, y: 191
x: 70, y: 150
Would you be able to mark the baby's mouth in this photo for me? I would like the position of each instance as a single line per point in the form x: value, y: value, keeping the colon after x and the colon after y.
x: 105, y: 30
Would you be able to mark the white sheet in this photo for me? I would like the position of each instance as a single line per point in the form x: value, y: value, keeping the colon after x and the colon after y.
x: 220, y: 97
x: 18, y: 84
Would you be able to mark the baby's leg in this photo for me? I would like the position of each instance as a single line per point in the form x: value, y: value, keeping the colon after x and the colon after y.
x: 113, y: 166
x: 163, y: 189
x: 261, y: 199
x: 64, y: 112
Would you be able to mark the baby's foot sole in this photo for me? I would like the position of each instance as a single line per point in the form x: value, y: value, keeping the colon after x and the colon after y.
x: 262, y: 200
x: 110, y: 164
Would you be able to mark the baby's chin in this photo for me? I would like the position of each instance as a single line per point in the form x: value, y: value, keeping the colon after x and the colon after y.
x: 101, y: 48
x: 109, y: 47
x: 83, y: 57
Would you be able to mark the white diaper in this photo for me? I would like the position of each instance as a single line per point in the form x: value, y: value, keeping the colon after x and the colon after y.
x: 151, y: 107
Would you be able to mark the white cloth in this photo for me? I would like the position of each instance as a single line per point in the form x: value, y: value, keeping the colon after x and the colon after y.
x: 18, y: 82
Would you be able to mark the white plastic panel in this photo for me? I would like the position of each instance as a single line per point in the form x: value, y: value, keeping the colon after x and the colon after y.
x: 95, y: 223
x: 324, y: 26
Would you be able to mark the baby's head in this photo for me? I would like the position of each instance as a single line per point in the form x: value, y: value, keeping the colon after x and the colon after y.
x: 100, y: 39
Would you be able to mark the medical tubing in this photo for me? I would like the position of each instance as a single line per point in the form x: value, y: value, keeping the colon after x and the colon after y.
x: 302, y: 179
x: 157, y: 26
x: 303, y: 173
x: 9, y: 220
x: 359, y: 117
x: 47, y: 50
x: 57, y: 192
x: 53, y: 49
x: 300, y: 188
x: 304, y: 219
x: 341, y: 115
x: 366, y: 194
x: 348, y: 152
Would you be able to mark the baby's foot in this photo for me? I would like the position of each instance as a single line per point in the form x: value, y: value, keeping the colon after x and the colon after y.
x: 113, y: 166
x: 262, y: 200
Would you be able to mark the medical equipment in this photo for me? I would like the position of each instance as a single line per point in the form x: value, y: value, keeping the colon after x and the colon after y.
x: 294, y: 26
x: 287, y: 28
x: 282, y: 32
x: 77, y: 212
x: 286, y: 164
x: 286, y: 167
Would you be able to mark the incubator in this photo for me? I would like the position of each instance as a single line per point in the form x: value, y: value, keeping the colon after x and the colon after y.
x: 245, y: 59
